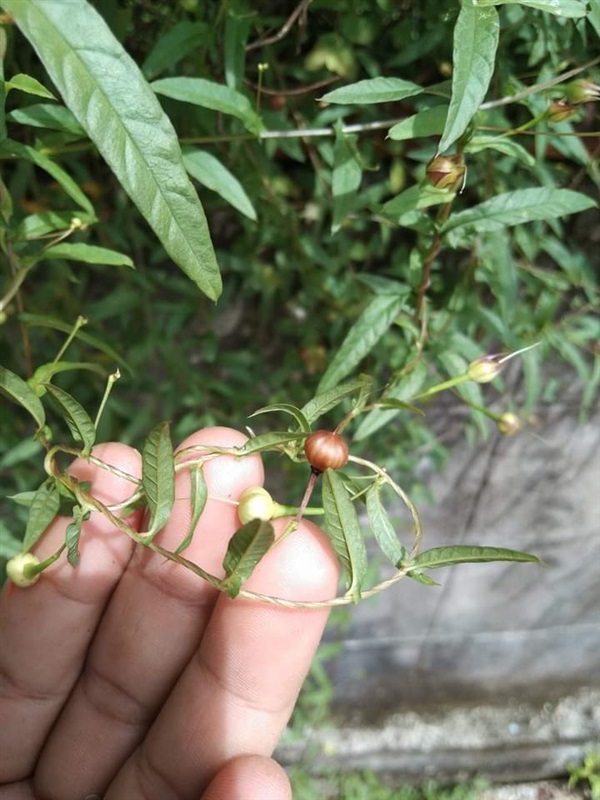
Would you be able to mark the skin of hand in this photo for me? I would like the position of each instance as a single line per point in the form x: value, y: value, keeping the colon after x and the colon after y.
x: 130, y: 678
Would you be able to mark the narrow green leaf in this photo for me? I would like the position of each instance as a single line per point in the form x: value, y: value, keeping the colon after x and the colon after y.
x: 344, y: 532
x: 23, y: 450
x: 108, y: 95
x: 515, y: 208
x: 560, y: 8
x: 266, y: 441
x: 420, y: 578
x: 476, y: 35
x: 373, y: 90
x: 416, y: 198
x: 286, y: 408
x: 199, y: 496
x: 208, y: 94
x: 45, y: 321
x: 18, y: 150
x: 237, y: 29
x: 88, y: 254
x: 4, y: 197
x: 158, y: 476
x: 346, y: 178
x: 42, y: 511
x: 47, y: 115
x: 382, y: 528
x: 45, y: 372
x: 329, y: 399
x: 173, y: 46
x: 20, y: 392
x: 401, y: 389
x: 468, y: 554
x: 428, y: 122
x: 362, y: 337
x: 25, y: 83
x: 81, y: 426
x: 507, y: 147
x: 246, y: 548
x: 209, y: 171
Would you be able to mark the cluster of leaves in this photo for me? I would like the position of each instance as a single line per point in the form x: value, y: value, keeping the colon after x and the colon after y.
x: 335, y: 248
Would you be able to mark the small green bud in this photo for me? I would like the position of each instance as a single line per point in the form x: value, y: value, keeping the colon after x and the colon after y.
x: 582, y: 91
x: 447, y: 172
x: 255, y: 503
x: 19, y: 569
x: 484, y: 369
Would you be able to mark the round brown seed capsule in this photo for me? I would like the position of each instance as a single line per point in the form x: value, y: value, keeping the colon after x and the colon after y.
x: 326, y: 450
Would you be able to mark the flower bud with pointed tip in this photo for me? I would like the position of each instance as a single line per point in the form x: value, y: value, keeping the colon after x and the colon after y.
x: 509, y: 424
x: 19, y: 571
x: 582, y: 91
x: 447, y: 172
x: 255, y: 503
x: 484, y: 369
x: 560, y: 110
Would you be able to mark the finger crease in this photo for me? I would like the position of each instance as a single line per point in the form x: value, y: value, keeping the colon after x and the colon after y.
x: 113, y: 701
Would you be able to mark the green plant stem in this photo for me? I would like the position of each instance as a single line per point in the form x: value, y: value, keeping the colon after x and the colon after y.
x: 79, y: 323
x: 440, y: 387
x: 112, y: 379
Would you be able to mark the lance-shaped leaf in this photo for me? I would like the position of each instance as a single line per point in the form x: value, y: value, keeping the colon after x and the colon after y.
x: 158, y: 476
x: 362, y: 338
x: 73, y: 535
x: 17, y: 389
x: 214, y: 175
x: 468, y: 554
x: 199, y: 496
x: 286, y: 408
x: 265, y: 441
x: 174, y: 45
x: 104, y: 88
x: 81, y: 426
x: 45, y: 372
x: 373, y: 90
x: 428, y: 122
x: 344, y: 532
x: 88, y: 254
x: 515, y: 208
x: 47, y: 115
x: 246, y: 548
x: 44, y: 507
x: 329, y: 399
x: 346, y: 178
x: 35, y: 226
x: 382, y: 528
x: 476, y: 35
x: 25, y: 83
x: 208, y: 94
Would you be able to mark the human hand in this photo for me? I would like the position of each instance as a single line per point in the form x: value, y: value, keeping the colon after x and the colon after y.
x: 129, y: 677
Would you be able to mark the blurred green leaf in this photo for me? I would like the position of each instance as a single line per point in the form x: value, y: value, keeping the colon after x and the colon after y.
x: 81, y: 426
x: 373, y: 90
x: 428, y: 122
x: 42, y: 511
x: 199, y: 496
x: 476, y: 37
x: 88, y: 254
x: 561, y: 8
x: 265, y: 441
x: 46, y: 115
x: 327, y: 400
x: 286, y: 408
x: 347, y: 174
x: 174, y: 45
x: 382, y: 528
x: 28, y: 84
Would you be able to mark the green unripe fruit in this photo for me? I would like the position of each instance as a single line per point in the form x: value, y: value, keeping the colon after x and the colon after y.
x: 255, y: 503
x: 19, y: 571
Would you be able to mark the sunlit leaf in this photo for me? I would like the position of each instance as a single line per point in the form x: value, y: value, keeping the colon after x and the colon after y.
x: 81, y: 426
x: 343, y: 529
x: 28, y: 84
x: 428, y: 122
x: 382, y: 528
x: 158, y: 476
x: 47, y: 115
x: 373, y: 90
x: 111, y: 100
x: 560, y: 8
x: 362, y: 337
x: 246, y: 548
x: 42, y: 511
x: 199, y: 496
x: 87, y: 253
x: 476, y: 35
x: 20, y: 392
x: 214, y: 175
x: 346, y: 178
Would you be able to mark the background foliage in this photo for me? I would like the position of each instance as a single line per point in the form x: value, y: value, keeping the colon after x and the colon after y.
x: 320, y: 216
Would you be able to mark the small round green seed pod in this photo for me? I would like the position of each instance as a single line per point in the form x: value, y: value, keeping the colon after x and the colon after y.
x: 18, y: 569
x: 255, y: 503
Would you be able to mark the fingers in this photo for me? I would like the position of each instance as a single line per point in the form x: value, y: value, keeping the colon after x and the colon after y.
x: 46, y: 629
x: 240, y: 687
x: 152, y: 626
x: 248, y: 778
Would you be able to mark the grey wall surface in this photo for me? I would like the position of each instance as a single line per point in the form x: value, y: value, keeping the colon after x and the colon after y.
x: 499, y: 629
